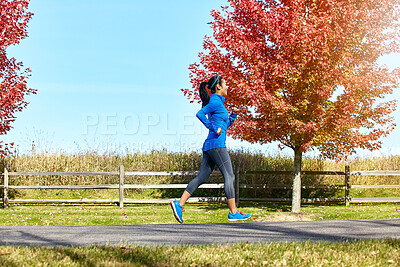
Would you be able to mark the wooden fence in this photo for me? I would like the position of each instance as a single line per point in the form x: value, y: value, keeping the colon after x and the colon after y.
x: 122, y: 174
x: 376, y: 173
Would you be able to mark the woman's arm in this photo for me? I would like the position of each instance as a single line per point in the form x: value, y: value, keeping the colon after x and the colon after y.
x: 201, y: 115
x: 232, y: 117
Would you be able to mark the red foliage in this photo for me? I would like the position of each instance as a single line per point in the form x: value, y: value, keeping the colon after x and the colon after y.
x: 305, y: 72
x: 13, y: 87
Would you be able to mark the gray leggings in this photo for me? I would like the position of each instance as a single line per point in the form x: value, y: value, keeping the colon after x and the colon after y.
x: 220, y: 157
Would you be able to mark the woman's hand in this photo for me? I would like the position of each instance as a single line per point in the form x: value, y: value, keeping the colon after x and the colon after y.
x: 235, y: 110
x: 219, y: 131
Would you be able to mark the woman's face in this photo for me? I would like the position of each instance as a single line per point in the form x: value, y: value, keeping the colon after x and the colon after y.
x: 222, y: 89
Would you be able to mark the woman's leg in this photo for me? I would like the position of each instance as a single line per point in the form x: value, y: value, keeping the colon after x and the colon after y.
x: 232, y: 205
x: 221, y: 158
x: 206, y: 168
x: 185, y: 196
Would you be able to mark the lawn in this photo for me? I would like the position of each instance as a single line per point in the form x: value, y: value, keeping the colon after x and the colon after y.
x: 194, y: 213
x: 361, y: 253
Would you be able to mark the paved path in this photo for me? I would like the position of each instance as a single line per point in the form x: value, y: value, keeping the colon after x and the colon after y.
x: 172, y: 234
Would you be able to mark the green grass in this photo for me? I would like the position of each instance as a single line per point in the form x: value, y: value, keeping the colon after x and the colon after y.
x: 361, y: 253
x: 354, y: 212
x: 195, y: 213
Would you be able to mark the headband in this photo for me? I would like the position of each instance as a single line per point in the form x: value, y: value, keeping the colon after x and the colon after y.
x: 214, y: 82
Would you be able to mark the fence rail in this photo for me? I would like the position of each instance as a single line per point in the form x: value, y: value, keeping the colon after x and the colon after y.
x: 375, y: 173
x: 122, y: 174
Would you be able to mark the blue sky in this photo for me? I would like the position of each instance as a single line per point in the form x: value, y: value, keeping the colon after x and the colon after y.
x: 109, y: 74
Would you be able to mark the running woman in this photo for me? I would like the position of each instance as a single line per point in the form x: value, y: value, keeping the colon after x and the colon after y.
x: 214, y: 148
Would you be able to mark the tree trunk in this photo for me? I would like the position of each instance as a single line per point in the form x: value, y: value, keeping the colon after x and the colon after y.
x: 296, y: 195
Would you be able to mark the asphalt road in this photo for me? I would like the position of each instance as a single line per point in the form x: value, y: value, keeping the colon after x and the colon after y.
x: 173, y: 234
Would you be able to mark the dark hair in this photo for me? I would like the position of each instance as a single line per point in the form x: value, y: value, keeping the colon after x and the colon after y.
x: 212, y: 83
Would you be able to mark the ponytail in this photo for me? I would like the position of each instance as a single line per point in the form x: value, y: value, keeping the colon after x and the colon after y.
x: 211, y: 85
x: 204, y: 95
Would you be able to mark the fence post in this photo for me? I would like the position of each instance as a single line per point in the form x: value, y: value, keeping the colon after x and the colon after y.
x: 121, y: 186
x: 347, y: 184
x: 5, y: 191
x: 237, y: 182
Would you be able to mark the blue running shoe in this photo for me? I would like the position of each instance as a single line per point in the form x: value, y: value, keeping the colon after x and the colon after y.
x: 238, y: 216
x: 177, y: 209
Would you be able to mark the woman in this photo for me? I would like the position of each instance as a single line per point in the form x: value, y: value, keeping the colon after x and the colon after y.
x: 214, y: 148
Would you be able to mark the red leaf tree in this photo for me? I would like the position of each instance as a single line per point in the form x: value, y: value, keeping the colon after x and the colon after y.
x: 305, y: 73
x: 14, y: 20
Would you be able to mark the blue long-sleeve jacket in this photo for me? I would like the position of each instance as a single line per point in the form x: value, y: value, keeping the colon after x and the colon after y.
x: 218, y: 117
